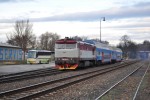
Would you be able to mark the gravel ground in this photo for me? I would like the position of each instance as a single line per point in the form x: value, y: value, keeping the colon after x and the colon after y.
x: 18, y: 84
x: 126, y: 89
x: 144, y: 91
x: 89, y: 89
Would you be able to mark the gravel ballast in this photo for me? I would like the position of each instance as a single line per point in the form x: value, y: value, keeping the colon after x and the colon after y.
x: 86, y: 90
x: 127, y: 88
x: 27, y: 82
x: 89, y: 89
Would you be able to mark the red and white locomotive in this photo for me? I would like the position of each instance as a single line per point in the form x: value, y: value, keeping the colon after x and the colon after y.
x: 70, y: 54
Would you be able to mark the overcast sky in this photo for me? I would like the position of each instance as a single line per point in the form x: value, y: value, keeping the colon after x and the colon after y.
x: 80, y: 17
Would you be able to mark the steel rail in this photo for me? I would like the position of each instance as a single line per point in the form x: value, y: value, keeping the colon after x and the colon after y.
x: 117, y: 83
x: 57, y: 80
x: 140, y: 83
x: 11, y: 75
x: 21, y: 73
x: 30, y: 75
x: 39, y: 93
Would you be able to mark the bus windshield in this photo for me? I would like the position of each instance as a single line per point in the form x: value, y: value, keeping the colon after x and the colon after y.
x: 65, y: 46
x: 31, y: 54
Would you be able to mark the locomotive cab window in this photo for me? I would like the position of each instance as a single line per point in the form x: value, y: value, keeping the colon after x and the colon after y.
x: 70, y: 46
x: 65, y: 46
x: 60, y: 46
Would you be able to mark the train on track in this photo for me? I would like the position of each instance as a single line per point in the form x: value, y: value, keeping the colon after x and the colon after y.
x: 71, y: 54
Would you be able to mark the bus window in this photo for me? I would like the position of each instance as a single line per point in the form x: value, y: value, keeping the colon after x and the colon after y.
x: 31, y: 54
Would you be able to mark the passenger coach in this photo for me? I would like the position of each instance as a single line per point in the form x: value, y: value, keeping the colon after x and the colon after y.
x: 106, y: 53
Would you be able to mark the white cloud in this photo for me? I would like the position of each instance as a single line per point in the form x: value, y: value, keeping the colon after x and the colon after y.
x: 70, y: 18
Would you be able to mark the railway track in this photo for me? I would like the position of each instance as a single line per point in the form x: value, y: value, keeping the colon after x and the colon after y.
x: 39, y: 89
x: 19, y: 73
x: 123, y: 82
x: 28, y: 74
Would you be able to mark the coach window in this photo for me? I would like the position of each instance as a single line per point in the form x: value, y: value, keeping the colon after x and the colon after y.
x: 99, y: 53
x: 81, y: 46
x: 84, y: 47
x: 87, y: 47
x: 1, y: 53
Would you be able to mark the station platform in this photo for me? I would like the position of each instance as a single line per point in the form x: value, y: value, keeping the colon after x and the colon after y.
x: 9, y: 69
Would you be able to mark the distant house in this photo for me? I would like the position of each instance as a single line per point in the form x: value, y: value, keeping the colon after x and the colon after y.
x: 143, y: 55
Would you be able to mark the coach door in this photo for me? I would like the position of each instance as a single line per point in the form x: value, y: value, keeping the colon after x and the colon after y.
x: 102, y: 57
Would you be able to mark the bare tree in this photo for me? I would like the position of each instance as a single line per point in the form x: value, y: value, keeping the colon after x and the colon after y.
x: 128, y: 47
x: 132, y: 49
x: 145, y: 46
x: 47, y: 41
x: 125, y: 40
x: 22, y: 35
x: 124, y: 43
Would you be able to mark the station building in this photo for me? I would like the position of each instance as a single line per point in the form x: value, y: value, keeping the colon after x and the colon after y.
x: 144, y: 55
x: 10, y: 54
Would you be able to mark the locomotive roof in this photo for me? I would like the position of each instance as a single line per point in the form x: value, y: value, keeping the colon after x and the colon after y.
x: 68, y: 40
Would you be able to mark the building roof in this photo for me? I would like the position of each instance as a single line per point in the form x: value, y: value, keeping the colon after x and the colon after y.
x: 41, y: 50
x: 8, y: 45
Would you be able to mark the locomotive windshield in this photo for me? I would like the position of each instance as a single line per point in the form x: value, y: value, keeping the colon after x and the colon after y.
x: 70, y: 46
x: 65, y: 46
